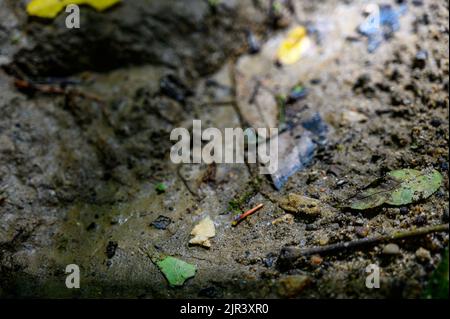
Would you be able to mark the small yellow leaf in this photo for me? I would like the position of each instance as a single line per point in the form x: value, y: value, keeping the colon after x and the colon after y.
x: 293, y: 46
x: 44, y: 8
x: 101, y: 5
x: 202, y: 232
x: 50, y: 8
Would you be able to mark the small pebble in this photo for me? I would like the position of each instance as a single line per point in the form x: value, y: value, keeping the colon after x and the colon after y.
x: 323, y: 240
x: 299, y: 204
x: 316, y: 260
x: 391, y: 249
x: 162, y: 222
x: 286, y: 218
x: 353, y: 117
x: 362, y: 231
x: 253, y: 43
x: 340, y: 182
x: 423, y: 255
x: 269, y: 260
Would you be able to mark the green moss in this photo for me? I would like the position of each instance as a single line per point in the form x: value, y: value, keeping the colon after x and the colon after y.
x: 160, y: 188
x: 236, y: 204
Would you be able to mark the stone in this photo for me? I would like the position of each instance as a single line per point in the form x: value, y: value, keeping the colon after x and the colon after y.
x: 297, y: 204
x: 286, y: 218
x: 391, y: 249
x: 423, y: 255
x: 316, y: 260
x: 324, y: 240
x: 162, y: 222
x: 362, y: 231
x: 353, y: 117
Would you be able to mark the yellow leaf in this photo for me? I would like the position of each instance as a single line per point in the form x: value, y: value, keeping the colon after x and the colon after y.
x: 293, y: 46
x: 101, y: 5
x: 51, y: 8
x: 44, y: 8
x: 202, y: 232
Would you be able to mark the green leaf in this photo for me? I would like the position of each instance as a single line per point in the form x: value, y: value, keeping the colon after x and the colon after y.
x: 160, y: 188
x: 397, y: 188
x: 414, y: 186
x: 176, y: 271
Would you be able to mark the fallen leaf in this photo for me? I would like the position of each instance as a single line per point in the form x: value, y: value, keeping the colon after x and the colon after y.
x: 415, y: 186
x: 176, y: 270
x: 50, y: 8
x: 202, y: 232
x: 295, y: 44
x: 397, y: 188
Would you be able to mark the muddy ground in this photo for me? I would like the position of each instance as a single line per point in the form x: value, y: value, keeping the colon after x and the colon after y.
x: 79, y: 163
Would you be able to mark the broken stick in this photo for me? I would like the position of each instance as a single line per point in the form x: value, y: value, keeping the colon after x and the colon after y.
x: 291, y: 254
x: 241, y: 217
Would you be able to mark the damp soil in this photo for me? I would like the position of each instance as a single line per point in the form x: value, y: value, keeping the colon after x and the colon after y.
x: 79, y: 165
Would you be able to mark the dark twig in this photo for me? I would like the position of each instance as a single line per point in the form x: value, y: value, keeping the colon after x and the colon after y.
x: 290, y: 254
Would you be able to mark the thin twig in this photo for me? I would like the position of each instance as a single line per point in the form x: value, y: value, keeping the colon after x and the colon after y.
x: 241, y: 217
x: 49, y: 89
x: 290, y: 254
